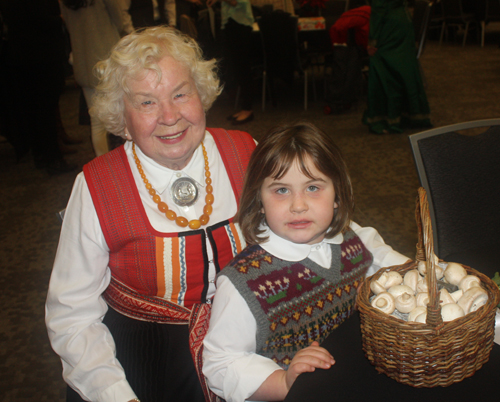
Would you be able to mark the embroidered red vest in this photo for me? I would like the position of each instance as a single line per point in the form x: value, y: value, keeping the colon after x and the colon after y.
x: 169, y: 267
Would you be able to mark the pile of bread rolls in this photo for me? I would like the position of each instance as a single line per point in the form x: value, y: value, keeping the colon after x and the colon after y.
x: 407, y: 296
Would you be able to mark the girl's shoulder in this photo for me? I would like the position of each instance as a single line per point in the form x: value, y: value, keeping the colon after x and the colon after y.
x: 249, y: 256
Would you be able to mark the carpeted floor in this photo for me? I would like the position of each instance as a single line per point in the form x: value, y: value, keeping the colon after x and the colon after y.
x: 463, y: 84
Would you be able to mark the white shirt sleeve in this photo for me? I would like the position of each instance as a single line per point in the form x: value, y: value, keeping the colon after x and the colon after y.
x: 383, y: 254
x: 233, y: 370
x: 75, y: 307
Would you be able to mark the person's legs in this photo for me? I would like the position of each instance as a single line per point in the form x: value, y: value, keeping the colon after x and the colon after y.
x: 35, y: 113
x: 171, y: 12
x: 376, y: 113
x: 97, y: 129
x: 156, y: 359
x: 9, y: 123
x: 239, y: 39
x: 35, y: 98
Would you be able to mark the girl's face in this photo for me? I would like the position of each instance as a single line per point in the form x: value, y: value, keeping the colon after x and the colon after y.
x: 298, y: 208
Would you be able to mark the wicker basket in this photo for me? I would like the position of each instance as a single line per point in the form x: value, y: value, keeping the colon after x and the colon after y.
x: 435, y: 353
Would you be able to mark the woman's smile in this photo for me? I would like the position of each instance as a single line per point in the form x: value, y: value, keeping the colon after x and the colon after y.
x: 173, y: 136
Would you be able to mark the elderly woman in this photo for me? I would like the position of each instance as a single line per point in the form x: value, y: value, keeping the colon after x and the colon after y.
x: 147, y: 227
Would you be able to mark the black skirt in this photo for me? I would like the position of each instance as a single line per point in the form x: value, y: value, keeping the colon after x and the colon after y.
x: 156, y: 360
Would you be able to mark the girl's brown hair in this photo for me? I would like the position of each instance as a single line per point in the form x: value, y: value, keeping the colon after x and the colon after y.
x: 274, y: 156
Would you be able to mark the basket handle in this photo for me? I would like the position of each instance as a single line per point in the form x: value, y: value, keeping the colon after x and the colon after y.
x: 425, y: 252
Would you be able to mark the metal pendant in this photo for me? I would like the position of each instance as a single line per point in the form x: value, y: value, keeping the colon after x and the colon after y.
x: 184, y: 192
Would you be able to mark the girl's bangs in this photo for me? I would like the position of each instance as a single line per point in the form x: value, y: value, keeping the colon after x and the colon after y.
x: 286, y: 159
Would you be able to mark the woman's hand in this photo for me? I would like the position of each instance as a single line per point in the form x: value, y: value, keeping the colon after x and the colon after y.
x: 307, y: 360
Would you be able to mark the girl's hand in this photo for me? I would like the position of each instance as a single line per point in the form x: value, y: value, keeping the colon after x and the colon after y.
x: 360, y: 284
x: 277, y: 385
x: 307, y: 360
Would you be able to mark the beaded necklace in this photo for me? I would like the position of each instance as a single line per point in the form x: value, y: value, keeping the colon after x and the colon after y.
x: 163, y: 207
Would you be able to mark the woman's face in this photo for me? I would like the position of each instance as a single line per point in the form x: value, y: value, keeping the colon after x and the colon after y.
x: 165, y: 119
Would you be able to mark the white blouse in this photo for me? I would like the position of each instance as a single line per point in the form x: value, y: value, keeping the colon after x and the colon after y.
x: 233, y: 370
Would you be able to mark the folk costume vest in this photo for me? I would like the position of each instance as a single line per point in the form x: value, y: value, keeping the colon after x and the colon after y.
x: 168, y: 267
x: 296, y: 303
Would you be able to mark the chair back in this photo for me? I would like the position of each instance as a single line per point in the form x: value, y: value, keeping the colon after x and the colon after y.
x: 437, y: 11
x: 452, y: 8
x: 461, y: 174
x: 492, y: 10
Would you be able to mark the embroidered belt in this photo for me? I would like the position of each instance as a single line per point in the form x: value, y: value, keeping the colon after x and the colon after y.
x: 145, y: 308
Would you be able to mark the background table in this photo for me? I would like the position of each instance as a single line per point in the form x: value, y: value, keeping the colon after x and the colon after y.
x: 354, y: 378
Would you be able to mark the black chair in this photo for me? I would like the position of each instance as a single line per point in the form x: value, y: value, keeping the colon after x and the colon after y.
x: 461, y: 174
x: 436, y: 19
x: 491, y: 14
x: 279, y: 32
x: 455, y: 16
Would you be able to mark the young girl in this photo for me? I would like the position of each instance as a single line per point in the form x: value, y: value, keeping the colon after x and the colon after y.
x: 296, y: 281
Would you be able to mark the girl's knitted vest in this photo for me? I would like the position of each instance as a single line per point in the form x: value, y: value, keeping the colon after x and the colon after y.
x: 296, y: 303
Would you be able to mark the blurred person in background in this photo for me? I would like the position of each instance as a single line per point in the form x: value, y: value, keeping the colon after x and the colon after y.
x: 396, y: 94
x: 237, y: 22
x: 33, y: 80
x: 94, y: 27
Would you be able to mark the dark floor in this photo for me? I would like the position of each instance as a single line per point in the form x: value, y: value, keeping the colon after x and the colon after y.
x: 462, y: 84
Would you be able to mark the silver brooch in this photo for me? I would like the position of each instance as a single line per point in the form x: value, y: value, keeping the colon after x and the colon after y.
x: 184, y: 192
